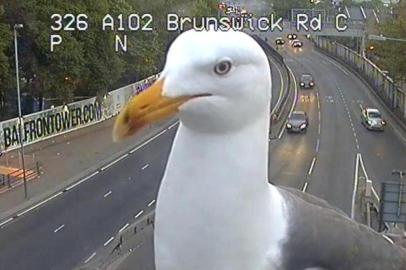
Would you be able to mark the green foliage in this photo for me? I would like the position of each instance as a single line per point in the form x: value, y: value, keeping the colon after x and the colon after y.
x: 391, y: 53
x: 86, y: 63
x: 283, y: 8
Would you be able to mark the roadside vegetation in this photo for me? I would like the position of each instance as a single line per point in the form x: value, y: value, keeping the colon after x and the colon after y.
x: 85, y: 64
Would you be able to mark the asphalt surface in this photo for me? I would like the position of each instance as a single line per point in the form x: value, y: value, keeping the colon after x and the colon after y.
x: 67, y: 230
x: 322, y: 160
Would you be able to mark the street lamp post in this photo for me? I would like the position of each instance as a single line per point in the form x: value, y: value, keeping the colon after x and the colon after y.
x: 20, y: 118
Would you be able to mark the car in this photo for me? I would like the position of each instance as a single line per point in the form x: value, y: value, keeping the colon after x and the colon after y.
x: 306, y: 81
x: 297, y: 43
x: 279, y: 41
x: 292, y: 36
x: 372, y: 119
x: 297, y: 122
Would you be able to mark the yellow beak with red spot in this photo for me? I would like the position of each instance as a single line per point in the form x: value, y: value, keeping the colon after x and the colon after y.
x: 146, y: 108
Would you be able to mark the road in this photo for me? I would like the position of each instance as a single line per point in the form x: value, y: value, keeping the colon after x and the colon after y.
x: 322, y: 161
x: 67, y: 230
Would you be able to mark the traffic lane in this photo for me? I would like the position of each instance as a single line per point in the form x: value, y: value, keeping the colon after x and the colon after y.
x: 382, y: 151
x: 82, y: 215
x: 333, y: 175
x: 89, y: 218
x: 277, y: 78
x: 291, y: 156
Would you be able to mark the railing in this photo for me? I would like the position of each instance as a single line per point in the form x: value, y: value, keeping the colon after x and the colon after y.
x: 15, y: 178
x: 393, y: 96
x: 276, y: 55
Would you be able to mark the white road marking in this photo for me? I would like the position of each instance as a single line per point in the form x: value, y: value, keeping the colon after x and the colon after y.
x: 81, y: 181
x: 59, y: 228
x: 312, y: 166
x: 90, y: 257
x: 305, y: 187
x: 339, y: 67
x: 294, y: 101
x: 108, y: 241
x: 124, y: 227
x: 113, y: 162
x: 148, y: 141
x: 317, y: 145
x: 319, y: 129
x: 107, y: 194
x: 281, y: 90
x: 151, y: 203
x: 6, y: 221
x: 139, y: 214
x: 39, y: 204
x: 174, y: 124
x: 354, y: 191
x: 145, y: 166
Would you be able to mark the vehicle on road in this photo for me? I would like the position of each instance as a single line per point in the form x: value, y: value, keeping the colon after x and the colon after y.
x: 297, y: 122
x: 279, y: 41
x: 297, y: 43
x: 292, y: 36
x: 371, y: 118
x: 306, y: 81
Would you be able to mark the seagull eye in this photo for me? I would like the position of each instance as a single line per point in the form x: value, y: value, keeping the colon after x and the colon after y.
x: 223, y: 67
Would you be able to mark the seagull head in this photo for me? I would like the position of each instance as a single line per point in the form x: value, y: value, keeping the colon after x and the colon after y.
x: 216, y: 81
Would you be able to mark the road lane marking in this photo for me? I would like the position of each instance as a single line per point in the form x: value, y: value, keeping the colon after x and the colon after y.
x: 6, y: 221
x: 312, y: 166
x: 174, y: 124
x: 124, y: 227
x: 319, y: 129
x: 39, y: 204
x: 317, y: 145
x: 139, y: 214
x: 145, y: 166
x: 107, y: 194
x: 305, y: 187
x: 354, y: 191
x: 293, y: 104
x: 114, y: 162
x: 339, y: 67
x: 281, y: 90
x: 148, y: 141
x: 59, y: 228
x: 90, y: 257
x: 151, y: 203
x: 108, y: 241
x: 81, y: 181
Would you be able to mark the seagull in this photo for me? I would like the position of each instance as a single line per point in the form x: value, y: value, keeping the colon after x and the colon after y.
x: 216, y: 209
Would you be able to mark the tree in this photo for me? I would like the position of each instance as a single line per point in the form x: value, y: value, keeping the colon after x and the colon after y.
x: 5, y: 69
x: 391, y: 53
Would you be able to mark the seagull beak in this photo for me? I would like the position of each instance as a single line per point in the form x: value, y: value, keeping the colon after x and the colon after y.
x: 146, y: 108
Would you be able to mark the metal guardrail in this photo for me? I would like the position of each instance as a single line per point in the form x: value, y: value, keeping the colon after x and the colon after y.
x: 384, y: 86
x: 278, y: 57
x: 12, y: 178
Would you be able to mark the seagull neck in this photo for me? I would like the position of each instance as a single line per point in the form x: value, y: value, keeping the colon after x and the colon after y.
x: 239, y: 158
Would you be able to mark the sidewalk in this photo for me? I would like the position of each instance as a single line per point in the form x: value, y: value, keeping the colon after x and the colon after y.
x: 66, y: 159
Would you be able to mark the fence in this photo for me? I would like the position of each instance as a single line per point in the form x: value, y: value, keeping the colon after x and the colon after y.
x: 383, y: 85
x: 59, y: 120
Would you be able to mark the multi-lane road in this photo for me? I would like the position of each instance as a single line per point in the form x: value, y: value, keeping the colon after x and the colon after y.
x: 69, y: 229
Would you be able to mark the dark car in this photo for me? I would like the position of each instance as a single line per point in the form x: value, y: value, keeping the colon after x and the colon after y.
x: 297, y: 43
x: 306, y: 81
x: 297, y: 122
x: 292, y: 36
x: 279, y: 41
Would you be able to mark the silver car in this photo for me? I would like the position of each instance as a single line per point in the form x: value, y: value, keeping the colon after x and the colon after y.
x: 297, y: 122
x: 371, y: 118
